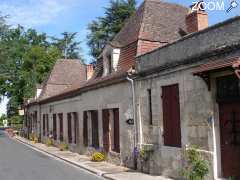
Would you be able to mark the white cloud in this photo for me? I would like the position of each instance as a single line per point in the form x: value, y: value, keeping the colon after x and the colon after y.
x: 32, y: 13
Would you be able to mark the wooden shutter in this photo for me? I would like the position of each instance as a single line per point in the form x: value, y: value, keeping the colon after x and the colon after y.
x: 106, y: 135
x: 60, y: 116
x: 116, y: 131
x: 44, y: 126
x: 69, y: 118
x: 171, y: 116
x: 47, y: 125
x: 85, y: 128
x: 54, y: 127
x: 95, y: 137
x: 75, y: 116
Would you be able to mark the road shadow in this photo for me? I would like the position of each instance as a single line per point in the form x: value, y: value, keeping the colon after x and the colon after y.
x: 2, y: 133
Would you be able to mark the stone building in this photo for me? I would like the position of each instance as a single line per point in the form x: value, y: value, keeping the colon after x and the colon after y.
x: 93, y: 112
x: 188, y: 95
x: 164, y: 82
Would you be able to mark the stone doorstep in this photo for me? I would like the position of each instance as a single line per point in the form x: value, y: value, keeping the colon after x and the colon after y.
x: 102, y: 169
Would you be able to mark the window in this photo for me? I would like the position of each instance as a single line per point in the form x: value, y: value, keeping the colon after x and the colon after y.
x: 60, y: 116
x: 171, y: 116
x: 150, y: 106
x: 69, y: 118
x: 54, y: 127
x: 228, y: 89
x: 85, y: 128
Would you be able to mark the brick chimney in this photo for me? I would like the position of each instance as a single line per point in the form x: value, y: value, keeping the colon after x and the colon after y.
x: 90, y: 71
x: 197, y: 19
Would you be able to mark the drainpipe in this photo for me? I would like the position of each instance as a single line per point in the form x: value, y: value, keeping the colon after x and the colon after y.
x: 135, y: 123
x: 134, y: 111
x: 215, y: 165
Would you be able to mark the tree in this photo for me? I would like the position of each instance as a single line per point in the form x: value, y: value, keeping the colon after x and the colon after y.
x: 2, y: 118
x: 68, y: 46
x: 26, y: 58
x: 103, y: 29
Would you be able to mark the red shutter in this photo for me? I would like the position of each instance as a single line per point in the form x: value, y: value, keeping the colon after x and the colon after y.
x: 106, y: 135
x: 54, y: 127
x: 171, y: 116
x: 85, y: 128
x: 116, y: 131
x: 95, y: 137
x: 75, y: 116
x: 60, y: 116
x: 47, y: 125
x: 69, y: 118
x: 44, y: 126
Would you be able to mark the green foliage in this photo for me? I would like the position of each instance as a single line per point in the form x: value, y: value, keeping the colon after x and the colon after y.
x: 63, y: 147
x: 103, y: 29
x: 196, y: 168
x: 97, y: 157
x: 26, y: 57
x: 2, y: 117
x: 68, y: 46
x: 14, y: 120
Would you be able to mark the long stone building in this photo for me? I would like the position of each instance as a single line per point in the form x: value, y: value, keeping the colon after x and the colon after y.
x: 167, y: 81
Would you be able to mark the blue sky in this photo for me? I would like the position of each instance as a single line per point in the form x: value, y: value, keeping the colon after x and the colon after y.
x: 56, y: 16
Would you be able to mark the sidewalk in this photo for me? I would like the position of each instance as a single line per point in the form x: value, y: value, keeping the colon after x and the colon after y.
x: 102, y: 169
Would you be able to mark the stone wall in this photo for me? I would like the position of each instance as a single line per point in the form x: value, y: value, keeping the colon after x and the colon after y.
x: 196, y: 106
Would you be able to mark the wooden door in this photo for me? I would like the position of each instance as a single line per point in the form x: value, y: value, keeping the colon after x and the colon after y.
x: 60, y: 116
x: 69, y: 118
x: 76, y: 126
x: 230, y: 139
x: 54, y: 127
x: 106, y: 133
x: 85, y: 128
x: 95, y: 137
x: 116, y: 131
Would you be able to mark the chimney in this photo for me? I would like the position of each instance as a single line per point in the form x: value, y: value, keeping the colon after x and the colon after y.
x: 197, y: 19
x: 90, y: 71
x: 39, y: 88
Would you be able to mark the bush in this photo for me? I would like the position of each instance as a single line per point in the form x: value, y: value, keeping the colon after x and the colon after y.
x: 196, y: 167
x: 97, y: 157
x: 49, y: 142
x: 63, y: 147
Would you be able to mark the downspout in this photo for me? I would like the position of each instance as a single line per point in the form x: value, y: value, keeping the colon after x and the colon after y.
x: 135, y: 151
x: 134, y: 111
x: 215, y: 165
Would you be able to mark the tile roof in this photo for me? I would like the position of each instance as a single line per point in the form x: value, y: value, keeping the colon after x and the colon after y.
x: 154, y: 20
x: 64, y: 74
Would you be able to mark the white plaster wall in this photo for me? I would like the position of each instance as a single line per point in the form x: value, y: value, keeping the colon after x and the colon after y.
x: 115, y: 96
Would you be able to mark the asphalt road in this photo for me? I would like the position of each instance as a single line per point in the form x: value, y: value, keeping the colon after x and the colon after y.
x: 19, y: 162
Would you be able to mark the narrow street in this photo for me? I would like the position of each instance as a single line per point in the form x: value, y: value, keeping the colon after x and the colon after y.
x: 18, y: 162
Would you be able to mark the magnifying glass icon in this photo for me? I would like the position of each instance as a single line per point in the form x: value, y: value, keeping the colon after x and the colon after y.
x: 233, y: 5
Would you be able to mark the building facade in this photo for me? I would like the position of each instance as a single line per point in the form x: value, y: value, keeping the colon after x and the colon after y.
x: 166, y: 82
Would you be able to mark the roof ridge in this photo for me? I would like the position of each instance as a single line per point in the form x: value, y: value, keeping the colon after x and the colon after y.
x: 165, y: 2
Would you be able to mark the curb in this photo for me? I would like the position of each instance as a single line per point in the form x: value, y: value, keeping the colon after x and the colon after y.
x: 90, y: 170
